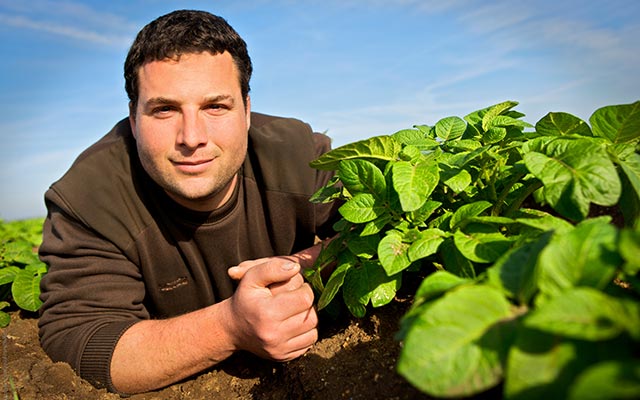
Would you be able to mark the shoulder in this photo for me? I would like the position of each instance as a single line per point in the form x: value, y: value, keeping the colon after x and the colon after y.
x: 280, y: 150
x: 283, y: 134
x: 100, y: 189
x: 112, y: 151
x: 272, y: 130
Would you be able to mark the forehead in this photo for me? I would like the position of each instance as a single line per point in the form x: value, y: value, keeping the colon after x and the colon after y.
x: 190, y: 71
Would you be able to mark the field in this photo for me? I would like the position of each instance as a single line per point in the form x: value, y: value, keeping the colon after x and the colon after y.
x: 354, y: 359
x: 481, y: 256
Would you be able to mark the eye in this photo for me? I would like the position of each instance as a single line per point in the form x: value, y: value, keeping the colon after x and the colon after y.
x: 163, y: 111
x: 216, y: 108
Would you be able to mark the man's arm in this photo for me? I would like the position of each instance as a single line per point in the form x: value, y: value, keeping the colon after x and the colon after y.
x: 278, y: 324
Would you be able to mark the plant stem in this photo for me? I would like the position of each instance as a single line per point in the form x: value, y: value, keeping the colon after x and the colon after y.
x: 523, y: 196
x: 497, y: 207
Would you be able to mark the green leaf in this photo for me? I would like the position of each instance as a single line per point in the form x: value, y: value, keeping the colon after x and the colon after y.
x: 385, y: 287
x: 376, y: 226
x: 18, y: 252
x: 619, y: 123
x: 408, y: 136
x: 383, y: 148
x: 631, y: 168
x: 327, y: 193
x: 585, y: 314
x: 26, y: 289
x: 480, y: 246
x: 494, y: 135
x: 543, y: 221
x: 458, y: 179
x: 361, y: 176
x: 364, y: 246
x: 562, y: 124
x: 5, y: 319
x: 508, y: 121
x: 494, y: 111
x: 457, y: 345
x: 417, y: 138
x: 450, y: 128
x: 629, y: 248
x: 615, y: 379
x: 423, y: 213
x: 392, y: 252
x: 515, y: 271
x: 368, y: 282
x: 410, y: 153
x: 414, y: 183
x: 468, y: 211
x: 581, y: 257
x: 575, y: 173
x: 426, y: 245
x: 437, y: 284
x: 363, y: 207
x: 454, y: 261
x: 333, y: 284
x: 541, y: 366
x: 8, y: 274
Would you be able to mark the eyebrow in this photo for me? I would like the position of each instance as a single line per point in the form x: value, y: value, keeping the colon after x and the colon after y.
x: 156, y: 101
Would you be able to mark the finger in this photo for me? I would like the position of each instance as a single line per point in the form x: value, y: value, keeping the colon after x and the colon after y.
x: 275, y: 270
x: 289, y: 303
x: 237, y: 272
x: 299, y: 345
x: 292, y: 284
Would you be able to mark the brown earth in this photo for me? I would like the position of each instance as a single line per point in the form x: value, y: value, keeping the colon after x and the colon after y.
x: 353, y: 359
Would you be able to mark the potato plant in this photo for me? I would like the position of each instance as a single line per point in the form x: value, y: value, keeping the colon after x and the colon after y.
x: 528, y: 240
x: 20, y: 268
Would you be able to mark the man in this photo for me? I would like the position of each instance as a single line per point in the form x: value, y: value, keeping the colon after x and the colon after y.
x: 177, y: 239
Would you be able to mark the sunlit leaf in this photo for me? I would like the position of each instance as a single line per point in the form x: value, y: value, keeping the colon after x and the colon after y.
x: 361, y: 176
x: 393, y: 253
x: 618, y: 123
x: 586, y: 314
x: 383, y: 148
x: 581, y: 257
x: 414, y: 183
x: 575, y: 173
x: 450, y: 128
x: 363, y: 207
x: 456, y: 347
x: 561, y: 124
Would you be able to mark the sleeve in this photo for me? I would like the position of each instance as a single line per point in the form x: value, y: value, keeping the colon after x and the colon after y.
x: 326, y: 213
x: 91, y: 294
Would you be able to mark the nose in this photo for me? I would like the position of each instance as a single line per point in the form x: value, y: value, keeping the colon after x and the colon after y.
x: 192, y: 132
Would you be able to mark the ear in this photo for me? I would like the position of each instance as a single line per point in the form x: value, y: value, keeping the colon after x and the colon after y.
x: 132, y: 118
x: 248, y: 112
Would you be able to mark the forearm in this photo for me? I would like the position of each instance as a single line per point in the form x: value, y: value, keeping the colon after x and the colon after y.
x: 155, y: 353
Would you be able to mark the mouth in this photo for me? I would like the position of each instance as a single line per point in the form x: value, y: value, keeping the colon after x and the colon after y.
x: 191, y: 167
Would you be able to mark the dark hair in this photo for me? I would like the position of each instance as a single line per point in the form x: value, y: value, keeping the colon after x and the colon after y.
x: 185, y: 32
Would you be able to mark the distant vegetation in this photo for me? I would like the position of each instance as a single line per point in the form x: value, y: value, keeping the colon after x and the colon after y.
x: 20, y: 268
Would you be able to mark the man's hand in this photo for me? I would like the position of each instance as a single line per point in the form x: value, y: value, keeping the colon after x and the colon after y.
x: 272, y: 309
x: 305, y: 258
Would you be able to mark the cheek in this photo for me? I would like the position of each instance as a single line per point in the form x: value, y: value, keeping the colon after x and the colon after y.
x: 153, y: 142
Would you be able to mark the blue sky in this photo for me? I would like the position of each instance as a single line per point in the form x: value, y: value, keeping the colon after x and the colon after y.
x: 352, y: 68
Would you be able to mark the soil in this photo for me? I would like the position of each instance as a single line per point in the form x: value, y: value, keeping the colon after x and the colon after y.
x: 353, y: 359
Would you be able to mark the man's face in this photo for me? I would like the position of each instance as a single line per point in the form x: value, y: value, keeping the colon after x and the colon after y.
x: 190, y: 126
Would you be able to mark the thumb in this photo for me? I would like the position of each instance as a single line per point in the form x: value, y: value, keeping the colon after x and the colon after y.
x: 237, y: 272
x: 270, y: 272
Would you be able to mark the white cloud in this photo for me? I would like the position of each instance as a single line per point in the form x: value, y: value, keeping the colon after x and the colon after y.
x: 62, y: 30
x: 68, y: 19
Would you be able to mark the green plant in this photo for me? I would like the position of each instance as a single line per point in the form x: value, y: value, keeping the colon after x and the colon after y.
x: 20, y: 268
x: 528, y: 238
